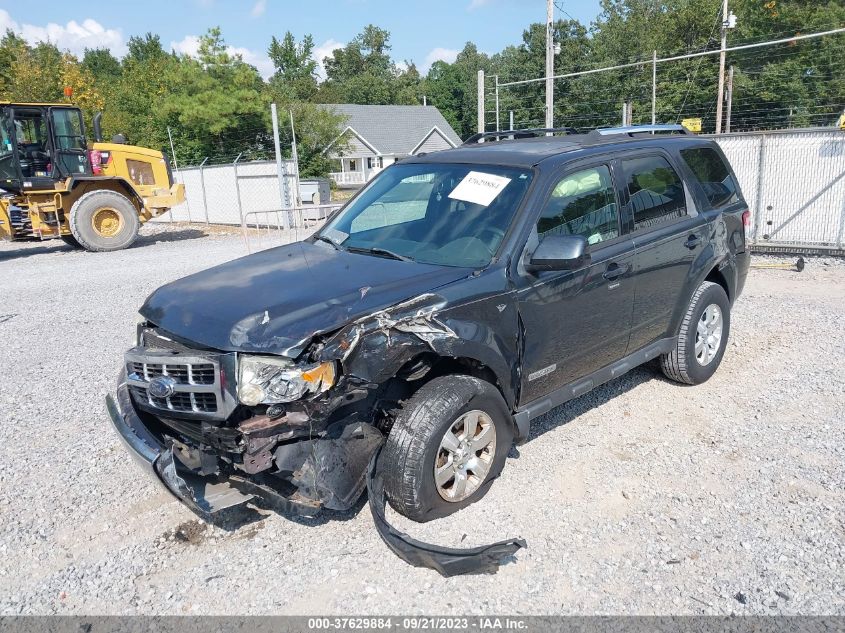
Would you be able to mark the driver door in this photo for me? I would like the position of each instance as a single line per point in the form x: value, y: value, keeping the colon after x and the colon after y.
x: 577, y: 321
x: 70, y: 154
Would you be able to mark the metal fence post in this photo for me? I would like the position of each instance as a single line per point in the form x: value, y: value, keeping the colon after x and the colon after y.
x: 761, y: 174
x: 202, y: 186
x: 240, y: 205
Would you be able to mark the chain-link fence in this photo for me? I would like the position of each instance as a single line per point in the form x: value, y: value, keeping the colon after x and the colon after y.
x: 228, y: 193
x: 794, y: 183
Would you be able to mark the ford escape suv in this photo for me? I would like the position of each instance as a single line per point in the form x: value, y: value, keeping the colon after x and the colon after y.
x: 455, y: 298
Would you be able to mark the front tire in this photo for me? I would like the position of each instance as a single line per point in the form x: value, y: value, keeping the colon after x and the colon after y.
x: 104, y: 221
x: 447, y: 444
x: 702, y: 337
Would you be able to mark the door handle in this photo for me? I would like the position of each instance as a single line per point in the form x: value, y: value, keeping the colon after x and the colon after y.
x: 614, y: 271
x: 692, y: 241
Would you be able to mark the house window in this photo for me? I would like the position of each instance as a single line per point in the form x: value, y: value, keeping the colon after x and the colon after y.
x: 370, y: 162
x: 353, y: 165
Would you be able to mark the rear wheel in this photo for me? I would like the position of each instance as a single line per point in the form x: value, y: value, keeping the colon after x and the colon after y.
x: 104, y: 221
x: 448, y: 442
x: 702, y: 337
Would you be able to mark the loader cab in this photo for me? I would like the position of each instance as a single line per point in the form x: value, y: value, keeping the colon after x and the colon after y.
x: 40, y: 145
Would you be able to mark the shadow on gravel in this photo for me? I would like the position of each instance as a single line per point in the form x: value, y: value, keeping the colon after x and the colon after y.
x: 55, y: 247
x: 169, y: 236
x: 566, y: 413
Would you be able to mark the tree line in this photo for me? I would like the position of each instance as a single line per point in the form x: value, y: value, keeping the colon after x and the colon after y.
x: 217, y: 105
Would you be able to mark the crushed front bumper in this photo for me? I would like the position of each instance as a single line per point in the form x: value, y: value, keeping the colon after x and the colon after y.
x: 203, y: 495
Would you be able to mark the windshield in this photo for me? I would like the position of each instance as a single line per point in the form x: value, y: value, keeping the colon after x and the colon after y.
x: 451, y: 215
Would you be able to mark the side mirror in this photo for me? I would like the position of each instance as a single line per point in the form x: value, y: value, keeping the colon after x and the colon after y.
x: 560, y: 252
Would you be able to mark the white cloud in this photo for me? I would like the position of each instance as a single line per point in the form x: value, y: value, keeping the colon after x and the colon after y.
x: 258, y: 8
x: 73, y: 36
x: 190, y: 45
x: 477, y: 4
x: 438, y: 54
x: 325, y: 50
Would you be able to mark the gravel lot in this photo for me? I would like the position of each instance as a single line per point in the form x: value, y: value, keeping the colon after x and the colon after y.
x: 642, y: 497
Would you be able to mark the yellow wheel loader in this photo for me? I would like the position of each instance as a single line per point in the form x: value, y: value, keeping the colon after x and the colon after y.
x: 54, y: 185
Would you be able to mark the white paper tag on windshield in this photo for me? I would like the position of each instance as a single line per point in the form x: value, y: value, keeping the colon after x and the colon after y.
x: 479, y: 188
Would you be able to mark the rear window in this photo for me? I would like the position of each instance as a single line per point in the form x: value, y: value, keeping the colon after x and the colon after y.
x: 715, y: 177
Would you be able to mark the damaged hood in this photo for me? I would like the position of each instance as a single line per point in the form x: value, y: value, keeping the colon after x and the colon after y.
x: 275, y: 301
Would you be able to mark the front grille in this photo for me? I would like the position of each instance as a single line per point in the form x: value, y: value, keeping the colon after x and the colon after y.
x: 194, y: 384
x: 201, y: 374
x: 179, y: 402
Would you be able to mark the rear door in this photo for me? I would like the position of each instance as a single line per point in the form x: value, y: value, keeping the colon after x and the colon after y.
x: 668, y: 234
x: 576, y: 322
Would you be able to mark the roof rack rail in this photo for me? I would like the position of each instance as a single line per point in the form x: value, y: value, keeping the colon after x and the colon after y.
x: 483, y: 137
x: 629, y: 130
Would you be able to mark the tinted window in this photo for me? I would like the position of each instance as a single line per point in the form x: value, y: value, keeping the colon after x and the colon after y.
x: 714, y: 176
x: 582, y: 203
x: 656, y: 191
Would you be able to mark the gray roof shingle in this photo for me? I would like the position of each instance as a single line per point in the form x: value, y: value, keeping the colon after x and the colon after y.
x: 394, y: 129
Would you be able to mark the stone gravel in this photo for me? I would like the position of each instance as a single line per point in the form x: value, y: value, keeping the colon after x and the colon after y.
x: 642, y: 497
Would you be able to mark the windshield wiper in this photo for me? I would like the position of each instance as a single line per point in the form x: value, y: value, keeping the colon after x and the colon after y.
x: 375, y: 250
x: 323, y: 238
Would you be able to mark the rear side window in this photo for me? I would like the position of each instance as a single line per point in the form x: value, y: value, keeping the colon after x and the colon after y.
x: 584, y: 204
x: 715, y: 177
x: 656, y: 192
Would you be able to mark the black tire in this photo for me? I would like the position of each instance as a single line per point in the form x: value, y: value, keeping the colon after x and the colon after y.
x: 414, y: 444
x: 115, y: 207
x: 71, y: 241
x: 681, y: 364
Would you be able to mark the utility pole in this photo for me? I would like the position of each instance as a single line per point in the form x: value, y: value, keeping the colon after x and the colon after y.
x: 481, y: 102
x: 550, y: 63
x: 511, y: 120
x: 496, y: 77
x: 730, y: 98
x: 654, y: 88
x: 721, y: 97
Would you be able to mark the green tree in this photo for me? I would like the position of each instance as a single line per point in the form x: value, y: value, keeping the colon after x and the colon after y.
x: 296, y: 69
x: 215, y: 104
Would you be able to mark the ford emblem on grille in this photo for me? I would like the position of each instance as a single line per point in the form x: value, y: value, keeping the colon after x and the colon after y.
x: 162, y: 387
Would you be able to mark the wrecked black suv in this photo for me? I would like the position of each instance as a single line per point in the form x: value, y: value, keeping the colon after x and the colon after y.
x: 456, y: 297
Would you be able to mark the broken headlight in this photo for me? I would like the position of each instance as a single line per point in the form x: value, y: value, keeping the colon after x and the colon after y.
x: 270, y: 380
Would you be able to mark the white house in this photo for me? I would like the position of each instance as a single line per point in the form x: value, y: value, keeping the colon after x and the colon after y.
x: 379, y: 135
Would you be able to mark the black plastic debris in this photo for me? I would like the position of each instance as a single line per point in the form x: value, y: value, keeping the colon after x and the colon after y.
x: 445, y: 560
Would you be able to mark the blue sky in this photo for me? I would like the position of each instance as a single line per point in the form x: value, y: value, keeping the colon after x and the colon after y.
x: 421, y: 30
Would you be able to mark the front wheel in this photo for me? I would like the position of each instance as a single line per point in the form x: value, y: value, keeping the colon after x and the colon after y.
x: 702, y: 337
x: 104, y: 221
x: 448, y: 443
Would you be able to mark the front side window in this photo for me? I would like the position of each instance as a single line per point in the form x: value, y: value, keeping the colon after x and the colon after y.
x: 446, y: 214
x: 656, y: 192
x: 67, y: 127
x: 582, y: 203
x: 713, y: 175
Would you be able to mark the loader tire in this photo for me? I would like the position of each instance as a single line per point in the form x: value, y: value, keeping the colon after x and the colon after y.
x: 104, y: 221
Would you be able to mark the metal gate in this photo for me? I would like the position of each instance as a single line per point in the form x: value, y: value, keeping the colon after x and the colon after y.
x: 794, y: 183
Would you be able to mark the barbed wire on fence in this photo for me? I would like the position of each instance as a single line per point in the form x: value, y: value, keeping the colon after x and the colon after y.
x: 591, y: 95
